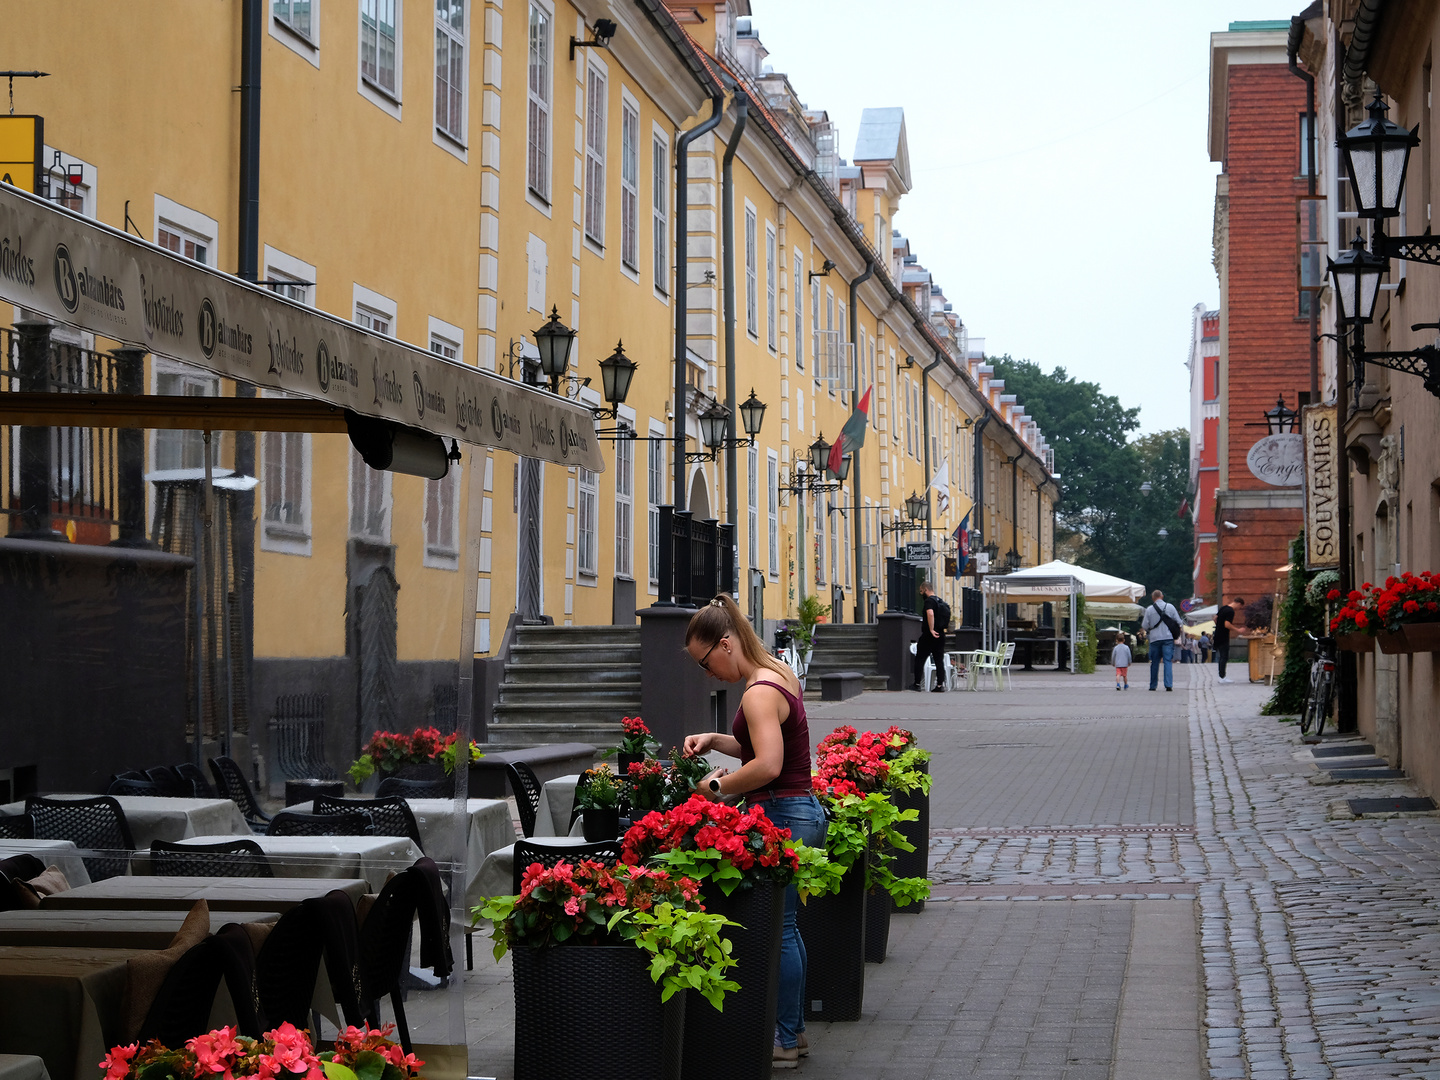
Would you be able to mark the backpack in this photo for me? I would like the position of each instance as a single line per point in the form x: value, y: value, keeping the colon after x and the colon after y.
x: 1170, y: 624
x: 942, y: 616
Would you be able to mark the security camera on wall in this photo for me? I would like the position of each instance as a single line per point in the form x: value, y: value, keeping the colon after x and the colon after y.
x: 1230, y: 525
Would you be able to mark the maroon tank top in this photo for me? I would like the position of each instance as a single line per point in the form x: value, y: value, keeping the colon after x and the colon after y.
x: 795, y: 770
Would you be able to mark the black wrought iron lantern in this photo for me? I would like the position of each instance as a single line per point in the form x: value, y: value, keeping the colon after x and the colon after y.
x: 1012, y: 560
x: 1377, y: 152
x: 843, y: 472
x: 915, y: 507
x: 714, y: 426
x: 752, y: 414
x: 1356, y: 274
x: 992, y: 551
x: 616, y: 371
x: 1281, y: 420
x: 819, y: 454
x: 554, y: 340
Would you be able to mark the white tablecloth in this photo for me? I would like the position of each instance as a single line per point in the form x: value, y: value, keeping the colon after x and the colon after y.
x: 373, y: 858
x: 154, y: 817
x: 557, y: 797
x: 497, y: 873
x: 22, y: 1067
x: 61, y: 853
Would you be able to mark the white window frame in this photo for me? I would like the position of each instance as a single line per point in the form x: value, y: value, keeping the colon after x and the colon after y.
x: 539, y: 144
x: 815, y: 327
x: 209, y: 385
x: 453, y: 139
x: 660, y: 210
x: 772, y: 314
x: 201, y: 227
x: 752, y: 505
x: 285, y: 537
x: 819, y: 539
x: 84, y: 191
x: 371, y: 89
x: 442, y: 509
x: 374, y: 482
x: 772, y: 510
x: 284, y: 268
x: 597, y: 89
x: 629, y: 185
x: 797, y: 349
x: 654, y: 488
x: 587, y: 524
x: 368, y: 303
x: 625, y: 508
x: 449, y: 338
x: 304, y: 43
x: 752, y: 272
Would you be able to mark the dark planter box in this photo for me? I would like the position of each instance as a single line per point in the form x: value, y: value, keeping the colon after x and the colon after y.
x: 833, y: 929
x: 592, y: 1011
x: 878, y: 906
x: 1361, y: 643
x: 601, y: 824
x: 736, y: 1044
x: 914, y: 863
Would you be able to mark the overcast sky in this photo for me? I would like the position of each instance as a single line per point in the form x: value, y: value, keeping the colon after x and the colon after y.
x: 1062, y: 193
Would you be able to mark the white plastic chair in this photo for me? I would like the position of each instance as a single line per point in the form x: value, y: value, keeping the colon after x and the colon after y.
x: 1002, y: 666
x: 985, y: 662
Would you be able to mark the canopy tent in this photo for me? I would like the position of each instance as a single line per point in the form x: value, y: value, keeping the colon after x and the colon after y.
x: 1099, y: 609
x: 1054, y: 581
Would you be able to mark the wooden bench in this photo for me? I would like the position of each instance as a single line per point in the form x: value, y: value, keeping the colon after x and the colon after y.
x: 840, y: 685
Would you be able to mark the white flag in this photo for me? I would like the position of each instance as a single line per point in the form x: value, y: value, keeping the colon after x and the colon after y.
x: 942, y: 476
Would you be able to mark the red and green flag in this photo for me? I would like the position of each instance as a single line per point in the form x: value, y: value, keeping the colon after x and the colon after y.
x: 852, y: 435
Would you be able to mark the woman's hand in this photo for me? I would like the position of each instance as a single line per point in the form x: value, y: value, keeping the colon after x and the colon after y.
x: 703, y: 787
x: 698, y: 744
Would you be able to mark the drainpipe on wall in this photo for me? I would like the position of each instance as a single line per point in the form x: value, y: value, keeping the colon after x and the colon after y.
x: 979, y: 509
x: 682, y: 268
x: 925, y: 429
x: 1292, y: 47
x: 860, y: 612
x: 1347, y: 706
x: 727, y: 210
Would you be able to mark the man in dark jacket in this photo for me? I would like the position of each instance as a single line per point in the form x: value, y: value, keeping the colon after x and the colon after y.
x: 931, y: 644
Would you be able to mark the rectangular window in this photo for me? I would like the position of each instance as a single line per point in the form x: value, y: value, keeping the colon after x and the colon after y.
x: 291, y: 288
x: 819, y: 539
x: 369, y: 501
x: 752, y: 290
x: 379, y: 37
x: 815, y: 325
x: 772, y: 326
x: 752, y: 506
x: 772, y: 510
x: 293, y: 13
x: 375, y: 321
x: 624, y: 507
x: 442, y: 520
x: 537, y: 163
x: 1310, y: 220
x: 654, y: 486
x: 629, y: 185
x: 833, y: 517
x: 660, y: 203
x: 797, y: 348
x: 595, y: 155
x: 185, y: 449
x: 444, y: 347
x: 284, y: 495
x: 450, y: 68
x: 586, y: 538
x: 183, y: 242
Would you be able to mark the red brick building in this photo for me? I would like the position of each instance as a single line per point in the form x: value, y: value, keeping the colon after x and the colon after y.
x: 1257, y: 111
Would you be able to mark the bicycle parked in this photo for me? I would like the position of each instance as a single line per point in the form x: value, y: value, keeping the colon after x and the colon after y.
x: 1322, y: 684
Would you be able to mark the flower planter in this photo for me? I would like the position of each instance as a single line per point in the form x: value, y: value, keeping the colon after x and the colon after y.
x: 736, y: 1044
x: 833, y: 929
x: 878, y: 906
x: 1354, y: 642
x: 1392, y: 644
x: 600, y: 823
x: 1422, y: 636
x: 913, y: 863
x: 593, y: 1012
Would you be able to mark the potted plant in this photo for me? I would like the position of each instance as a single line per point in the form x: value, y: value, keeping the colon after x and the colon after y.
x: 1409, y: 607
x: 647, y: 782
x: 810, y: 613
x: 743, y: 863
x: 908, y: 783
x: 598, y: 794
x: 1354, y: 624
x: 601, y: 954
x: 283, y: 1053
x: 636, y: 744
x: 389, y: 752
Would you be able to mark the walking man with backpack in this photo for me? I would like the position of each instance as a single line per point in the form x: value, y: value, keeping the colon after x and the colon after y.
x: 1161, y: 623
x: 932, y: 639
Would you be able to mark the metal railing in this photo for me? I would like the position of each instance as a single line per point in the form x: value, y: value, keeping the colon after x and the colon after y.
x: 698, y: 561
x: 297, y: 737
x: 902, y: 589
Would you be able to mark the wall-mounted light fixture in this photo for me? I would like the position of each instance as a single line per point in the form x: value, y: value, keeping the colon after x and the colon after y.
x: 604, y: 31
x: 824, y: 271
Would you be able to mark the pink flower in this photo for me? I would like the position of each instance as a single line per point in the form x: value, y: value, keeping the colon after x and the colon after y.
x: 292, y: 1048
x: 216, y: 1051
x: 117, y: 1062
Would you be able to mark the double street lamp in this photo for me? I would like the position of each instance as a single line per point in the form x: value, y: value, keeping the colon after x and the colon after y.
x: 917, y: 516
x: 715, y: 427
x: 812, y: 472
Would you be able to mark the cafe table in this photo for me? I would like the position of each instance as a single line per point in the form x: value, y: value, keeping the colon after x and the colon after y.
x: 22, y: 1067
x: 61, y: 853
x: 113, y: 929
x: 156, y: 817
x: 62, y: 1004
x: 145, y: 893
x: 373, y: 858
x: 557, y: 798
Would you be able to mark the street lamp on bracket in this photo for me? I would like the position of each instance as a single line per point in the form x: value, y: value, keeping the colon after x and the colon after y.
x: 917, y: 517
x: 715, y: 427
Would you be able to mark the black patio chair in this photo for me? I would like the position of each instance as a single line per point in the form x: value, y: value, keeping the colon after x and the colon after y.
x: 287, y: 966
x: 393, y: 787
x: 602, y: 851
x: 181, y: 1009
x: 341, y: 936
x: 384, y: 948
x: 17, y: 827
x: 293, y: 823
x: 124, y: 785
x: 392, y: 817
x: 188, y: 770
x: 96, y: 824
x: 230, y: 858
x: 527, y: 794
x: 168, y: 782
x: 230, y: 782
x: 14, y: 870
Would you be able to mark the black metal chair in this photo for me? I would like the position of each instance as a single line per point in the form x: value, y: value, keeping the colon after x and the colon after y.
x: 287, y: 966
x: 231, y: 858
x: 168, y: 782
x: 96, y: 824
x: 124, y: 785
x: 17, y: 827
x: 602, y: 851
x: 293, y: 823
x: 527, y: 793
x: 231, y: 784
x: 393, y: 787
x: 384, y: 948
x: 188, y: 770
x: 392, y: 817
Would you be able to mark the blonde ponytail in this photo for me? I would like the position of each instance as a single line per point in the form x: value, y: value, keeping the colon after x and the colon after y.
x: 722, y: 616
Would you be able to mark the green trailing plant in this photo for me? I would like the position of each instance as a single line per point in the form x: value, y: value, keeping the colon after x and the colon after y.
x: 1088, y: 645
x: 1302, y: 609
x: 868, y: 822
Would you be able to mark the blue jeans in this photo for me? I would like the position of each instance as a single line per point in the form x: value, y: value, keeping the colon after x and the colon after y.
x: 806, y: 822
x: 1160, y: 649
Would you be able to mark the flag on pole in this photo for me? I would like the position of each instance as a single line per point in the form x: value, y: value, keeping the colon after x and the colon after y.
x: 1184, y: 507
x: 852, y: 435
x: 962, y: 539
x: 941, y: 483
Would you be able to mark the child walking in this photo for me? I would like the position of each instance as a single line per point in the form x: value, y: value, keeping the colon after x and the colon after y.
x: 1120, y: 657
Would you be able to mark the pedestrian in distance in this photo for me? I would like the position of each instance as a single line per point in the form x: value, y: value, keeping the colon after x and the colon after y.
x: 1205, y: 647
x: 771, y: 738
x: 932, y: 639
x: 1120, y: 657
x: 1224, y: 625
x: 1161, y: 624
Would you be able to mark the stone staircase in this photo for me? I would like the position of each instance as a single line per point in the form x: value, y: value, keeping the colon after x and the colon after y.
x: 846, y: 647
x: 568, y: 684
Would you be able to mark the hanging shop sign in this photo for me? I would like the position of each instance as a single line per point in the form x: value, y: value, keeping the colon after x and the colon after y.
x: 1276, y: 459
x: 1322, y: 459
x: 71, y: 269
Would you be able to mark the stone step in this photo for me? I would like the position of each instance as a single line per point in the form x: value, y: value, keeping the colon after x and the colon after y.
x: 599, y: 654
x: 540, y: 634
x: 602, y: 695
x: 519, y: 733
x: 547, y: 675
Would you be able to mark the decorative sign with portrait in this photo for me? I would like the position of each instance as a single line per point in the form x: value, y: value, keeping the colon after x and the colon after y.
x: 1278, y: 459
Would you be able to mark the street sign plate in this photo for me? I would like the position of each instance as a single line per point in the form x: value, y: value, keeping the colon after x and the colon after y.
x: 920, y: 552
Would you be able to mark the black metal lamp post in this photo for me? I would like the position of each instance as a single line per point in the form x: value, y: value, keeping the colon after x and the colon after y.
x: 1012, y: 560
x: 915, y: 507
x: 714, y: 426
x: 1357, y: 281
x: 616, y: 372
x: 1281, y: 420
x: 752, y: 414
x: 554, y: 340
x: 992, y: 551
x: 819, y: 454
x: 1377, y: 152
x: 843, y: 471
